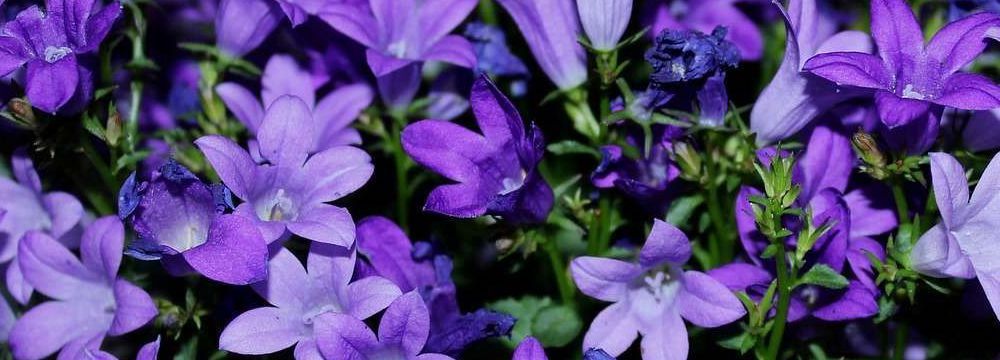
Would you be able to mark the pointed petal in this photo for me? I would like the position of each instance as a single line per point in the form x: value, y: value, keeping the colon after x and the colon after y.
x: 706, y: 302
x: 603, y: 279
x: 331, y: 266
x: 740, y: 276
x: 951, y: 189
x: 938, y: 254
x: 334, y: 114
x: 235, y: 252
x: 7, y: 320
x: 325, y: 223
x: 969, y: 92
x: 14, y: 53
x: 896, y: 111
x: 149, y: 351
x: 383, y: 64
x: 857, y: 302
x: 280, y: 136
x: 389, y: 252
x: 287, y: 284
x: 405, y: 323
x: 51, y: 85
x: 439, y: 17
x: 24, y: 170
x: 370, y: 295
x: 335, y: 173
x: 871, y: 211
x: 99, y: 24
x: 896, y: 32
x: 133, y: 308
x: 827, y: 162
x: 18, y: 286
x: 46, y: 328
x: 52, y: 269
x: 231, y: 162
x: 613, y: 330
x: 960, y: 42
x: 497, y: 117
x: 352, y: 19
x: 342, y: 337
x: 283, y: 76
x: 241, y: 25
x: 850, y: 68
x: 667, y: 340
x: 753, y: 241
x: 262, y: 331
x: 665, y: 243
x: 857, y: 258
x: 445, y: 147
x: 102, y: 246
x: 529, y: 349
x: 65, y: 210
x: 242, y: 104
x: 453, y: 49
x: 457, y: 200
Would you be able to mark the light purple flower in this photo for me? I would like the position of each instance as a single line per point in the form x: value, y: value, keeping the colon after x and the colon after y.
x: 652, y: 296
x: 495, y: 172
x: 963, y: 244
x: 89, y: 300
x: 298, y: 11
x: 241, y: 25
x: 793, y: 99
x: 28, y: 208
x: 604, y: 21
x: 551, y: 28
x: 179, y: 220
x: 402, y: 332
x: 149, y: 351
x: 401, y: 34
x: 981, y: 129
x: 331, y: 116
x: 47, y: 44
x: 300, y: 297
x: 290, y: 190
x: 529, y: 349
x: 705, y: 15
x: 912, y: 80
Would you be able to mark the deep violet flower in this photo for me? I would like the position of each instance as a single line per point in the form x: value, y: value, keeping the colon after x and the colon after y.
x: 652, y: 296
x: 705, y: 15
x: 794, y: 98
x: 241, y: 25
x: 179, y: 220
x: 400, y: 35
x: 551, y: 28
x: 962, y: 245
x: 89, y: 300
x: 290, y: 190
x: 27, y: 208
x: 390, y: 254
x: 331, y: 116
x: 912, y: 80
x: 402, y: 333
x: 300, y: 297
x: 48, y: 43
x: 604, y: 21
x: 496, y: 172
x: 493, y: 57
x: 529, y: 349
x: 646, y: 179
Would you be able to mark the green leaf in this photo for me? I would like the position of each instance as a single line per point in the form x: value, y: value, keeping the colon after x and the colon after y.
x: 524, y: 310
x: 681, y: 209
x: 93, y: 126
x: 733, y: 343
x: 568, y: 147
x: 824, y: 276
x: 769, y: 251
x: 556, y: 326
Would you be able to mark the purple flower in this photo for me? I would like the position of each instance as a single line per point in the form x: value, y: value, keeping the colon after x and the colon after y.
x: 301, y: 297
x: 705, y: 15
x: 241, y: 25
x: 493, y: 57
x: 89, y: 300
x: 911, y: 80
x: 793, y: 98
x: 179, y: 220
x: 298, y: 11
x: 496, y: 172
x: 981, y: 132
x: 646, y: 179
x: 27, y: 208
x: 149, y: 351
x: 652, y: 296
x: 390, y: 255
x: 289, y: 191
x: 604, y: 21
x: 399, y: 35
x: 551, y: 28
x: 331, y: 116
x: 962, y: 245
x: 529, y: 349
x: 402, y: 332
x: 48, y: 43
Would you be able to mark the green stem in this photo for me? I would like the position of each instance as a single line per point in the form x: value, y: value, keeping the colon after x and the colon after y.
x: 401, y: 162
x: 487, y: 12
x: 784, y: 299
x: 566, y: 290
x: 900, y: 346
x: 722, y: 253
x: 902, y: 209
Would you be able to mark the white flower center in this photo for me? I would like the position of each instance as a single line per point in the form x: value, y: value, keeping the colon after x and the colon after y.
x: 281, y: 207
x: 910, y: 93
x: 53, y: 54
x: 398, y: 49
x: 513, y: 184
x: 309, y: 317
x: 655, y: 283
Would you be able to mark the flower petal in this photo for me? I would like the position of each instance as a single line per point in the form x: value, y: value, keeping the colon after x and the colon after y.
x: 283, y: 76
x: 667, y: 340
x: 969, y: 92
x: 938, y: 254
x: 133, y: 308
x: 370, y: 295
x: 665, y: 243
x: 529, y: 349
x: 46, y: 328
x: 280, y: 136
x: 50, y: 267
x: 287, y: 284
x: 234, y: 253
x: 896, y: 111
x: 857, y: 302
x: 7, y: 320
x: 896, y: 32
x: 453, y: 49
x: 740, y: 276
x: 241, y: 25
x: 389, y: 252
x: 871, y: 211
x: 960, y: 42
x: 149, y: 351
x: 706, y: 302
x: 334, y: 114
x: 342, y: 337
x: 405, y: 323
x: 242, y: 104
x: 51, y: 85
x: 850, y: 68
x: 326, y: 224
x: 602, y: 278
x: 446, y: 148
x: 439, y: 17
x: 827, y: 161
x: 951, y: 189
x: 231, y: 162
x: 335, y: 173
x: 352, y: 19
x: 262, y: 331
x: 613, y: 330
x: 102, y: 246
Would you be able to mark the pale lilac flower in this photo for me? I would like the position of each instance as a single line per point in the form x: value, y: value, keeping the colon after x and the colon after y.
x: 301, y: 296
x: 27, y: 208
x: 495, y: 172
x: 912, y: 80
x: 241, y: 25
x: 48, y: 43
x: 89, y: 300
x: 551, y: 28
x: 402, y: 333
x: 705, y: 15
x: 149, y: 351
x: 963, y: 244
x: 529, y: 349
x: 652, y: 297
x: 290, y: 190
x: 332, y: 115
x: 793, y: 98
x: 604, y: 21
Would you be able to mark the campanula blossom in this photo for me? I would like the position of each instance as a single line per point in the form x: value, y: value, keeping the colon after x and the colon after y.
x: 27, y: 208
x: 493, y: 57
x: 179, y: 220
x: 794, y: 98
x: 604, y: 21
x: 332, y: 115
x: 962, y: 245
x: 911, y: 80
x: 551, y: 28
x: 49, y: 44
x: 705, y: 15
x: 652, y: 296
x: 289, y: 190
x: 402, y: 333
x: 390, y: 254
x: 495, y: 172
x: 89, y: 300
x: 646, y: 179
x: 242, y: 25
x: 402, y: 34
x: 301, y: 297
x: 529, y: 349
x: 981, y: 131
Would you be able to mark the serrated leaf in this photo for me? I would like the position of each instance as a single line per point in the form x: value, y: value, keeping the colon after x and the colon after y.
x: 556, y: 326
x: 824, y: 276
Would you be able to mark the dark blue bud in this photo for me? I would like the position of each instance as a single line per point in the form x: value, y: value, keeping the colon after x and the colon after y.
x: 679, y: 56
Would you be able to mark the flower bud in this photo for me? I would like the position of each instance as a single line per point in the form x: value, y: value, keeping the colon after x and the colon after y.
x: 688, y: 159
x: 604, y: 21
x: 22, y: 112
x: 113, y: 132
x: 868, y: 149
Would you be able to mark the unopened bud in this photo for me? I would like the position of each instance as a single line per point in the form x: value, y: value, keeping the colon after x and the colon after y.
x: 113, y: 131
x: 22, y: 112
x: 688, y: 160
x: 868, y: 149
x: 504, y: 245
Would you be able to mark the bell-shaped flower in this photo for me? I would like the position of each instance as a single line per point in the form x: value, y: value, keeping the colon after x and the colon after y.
x: 647, y: 179
x: 551, y: 28
x: 962, y: 245
x: 912, y: 80
x: 496, y: 173
x: 48, y: 43
x: 27, y: 208
x: 301, y: 297
x: 89, y: 300
x: 289, y: 191
x: 241, y: 25
x: 652, y: 297
x: 705, y: 15
x: 331, y: 116
x: 179, y: 220
x: 604, y: 21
